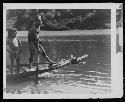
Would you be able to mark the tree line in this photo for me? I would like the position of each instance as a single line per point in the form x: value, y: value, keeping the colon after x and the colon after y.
x: 61, y: 19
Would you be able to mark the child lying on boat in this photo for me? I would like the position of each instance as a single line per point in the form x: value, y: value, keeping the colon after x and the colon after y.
x: 14, y: 47
x: 75, y: 60
x: 72, y: 60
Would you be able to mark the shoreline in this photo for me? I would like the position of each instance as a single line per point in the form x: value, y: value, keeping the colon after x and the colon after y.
x: 67, y: 33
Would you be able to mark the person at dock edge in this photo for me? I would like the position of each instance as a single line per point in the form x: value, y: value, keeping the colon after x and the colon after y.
x: 14, y: 47
x: 34, y: 41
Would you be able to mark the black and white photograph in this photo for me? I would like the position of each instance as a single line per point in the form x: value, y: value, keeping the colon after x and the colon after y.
x: 60, y: 51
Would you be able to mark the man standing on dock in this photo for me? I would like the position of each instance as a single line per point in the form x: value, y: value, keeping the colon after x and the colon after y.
x: 33, y: 40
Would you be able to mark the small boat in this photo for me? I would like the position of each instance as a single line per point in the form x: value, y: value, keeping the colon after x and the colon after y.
x: 33, y: 71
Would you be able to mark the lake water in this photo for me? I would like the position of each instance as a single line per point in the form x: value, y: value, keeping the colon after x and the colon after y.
x: 92, y: 77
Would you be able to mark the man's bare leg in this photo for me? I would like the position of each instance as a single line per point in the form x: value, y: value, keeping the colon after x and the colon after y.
x: 32, y: 53
x: 30, y: 62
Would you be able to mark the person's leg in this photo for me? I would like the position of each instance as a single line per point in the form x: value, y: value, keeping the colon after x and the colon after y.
x: 32, y: 53
x: 12, y: 63
x: 18, y: 63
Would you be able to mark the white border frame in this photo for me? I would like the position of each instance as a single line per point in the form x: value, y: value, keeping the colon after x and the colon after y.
x: 116, y: 71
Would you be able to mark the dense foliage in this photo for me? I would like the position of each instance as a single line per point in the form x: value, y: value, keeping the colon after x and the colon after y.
x: 61, y: 19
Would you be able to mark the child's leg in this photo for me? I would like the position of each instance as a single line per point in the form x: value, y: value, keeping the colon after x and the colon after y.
x: 12, y: 63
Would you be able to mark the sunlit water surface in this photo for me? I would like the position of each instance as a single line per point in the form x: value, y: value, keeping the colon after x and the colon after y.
x: 92, y: 77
